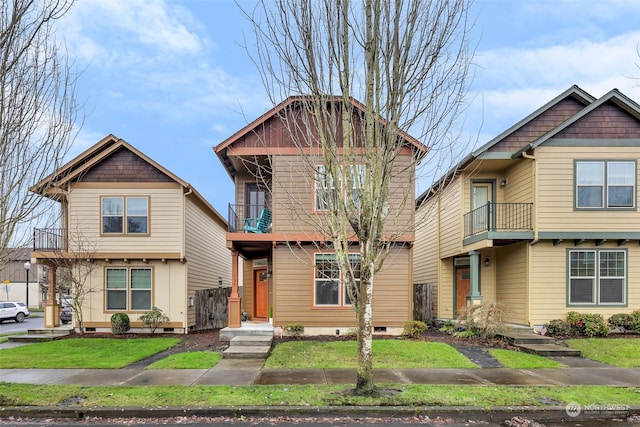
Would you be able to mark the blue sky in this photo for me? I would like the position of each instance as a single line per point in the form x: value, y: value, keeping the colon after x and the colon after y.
x: 172, y: 77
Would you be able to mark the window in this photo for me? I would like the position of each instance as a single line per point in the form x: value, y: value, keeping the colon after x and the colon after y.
x: 605, y: 184
x: 597, y: 277
x: 329, y: 282
x: 113, y: 215
x: 326, y: 192
x: 128, y: 288
x: 357, y: 184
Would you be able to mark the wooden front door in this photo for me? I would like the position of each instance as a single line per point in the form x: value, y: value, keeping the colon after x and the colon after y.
x: 261, y: 294
x: 463, y: 285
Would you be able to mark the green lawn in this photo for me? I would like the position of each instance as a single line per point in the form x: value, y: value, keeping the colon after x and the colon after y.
x: 415, y: 395
x: 622, y: 352
x: 188, y: 360
x: 519, y: 360
x: 107, y: 353
x: 386, y: 354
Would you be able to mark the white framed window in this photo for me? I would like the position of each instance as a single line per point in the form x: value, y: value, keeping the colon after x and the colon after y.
x: 357, y: 183
x: 326, y: 189
x: 597, y: 277
x: 605, y: 184
x: 118, y: 211
x: 329, y: 288
x: 128, y: 288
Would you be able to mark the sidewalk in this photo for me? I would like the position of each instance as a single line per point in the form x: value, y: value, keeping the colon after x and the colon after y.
x: 239, y: 372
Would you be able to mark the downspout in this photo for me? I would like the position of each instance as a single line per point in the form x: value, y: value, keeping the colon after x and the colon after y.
x: 535, y: 231
x: 183, y: 257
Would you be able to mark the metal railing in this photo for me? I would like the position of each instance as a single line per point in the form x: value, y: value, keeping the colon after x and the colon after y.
x: 499, y: 217
x: 49, y: 239
x: 238, y: 213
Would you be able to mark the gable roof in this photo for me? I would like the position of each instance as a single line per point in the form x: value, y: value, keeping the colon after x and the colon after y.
x: 221, y: 149
x: 51, y: 185
x: 574, y: 92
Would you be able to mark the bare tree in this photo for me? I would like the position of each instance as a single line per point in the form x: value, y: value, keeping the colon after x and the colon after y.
x: 408, y: 62
x: 74, y: 268
x: 38, y: 109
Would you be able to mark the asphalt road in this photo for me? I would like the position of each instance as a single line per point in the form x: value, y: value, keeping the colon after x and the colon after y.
x: 11, y: 327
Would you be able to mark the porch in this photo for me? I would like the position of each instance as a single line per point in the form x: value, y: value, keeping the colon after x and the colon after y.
x: 504, y: 223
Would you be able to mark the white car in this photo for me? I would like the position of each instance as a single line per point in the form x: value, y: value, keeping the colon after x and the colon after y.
x: 10, y: 310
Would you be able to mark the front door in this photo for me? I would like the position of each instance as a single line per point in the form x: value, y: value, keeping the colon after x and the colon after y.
x: 261, y: 294
x: 463, y: 286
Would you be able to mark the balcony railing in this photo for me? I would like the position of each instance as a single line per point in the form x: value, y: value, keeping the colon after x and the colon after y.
x: 49, y: 239
x: 238, y: 213
x: 507, y: 217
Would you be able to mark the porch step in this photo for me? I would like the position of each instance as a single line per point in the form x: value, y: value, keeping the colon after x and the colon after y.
x: 550, y: 350
x: 41, y: 335
x: 247, y: 352
x: 247, y: 329
x: 251, y: 341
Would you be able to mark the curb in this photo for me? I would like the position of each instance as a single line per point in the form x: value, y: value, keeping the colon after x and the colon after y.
x: 495, y: 414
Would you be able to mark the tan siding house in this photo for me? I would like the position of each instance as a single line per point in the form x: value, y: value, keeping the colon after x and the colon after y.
x: 281, y: 275
x: 152, y: 238
x: 543, y: 218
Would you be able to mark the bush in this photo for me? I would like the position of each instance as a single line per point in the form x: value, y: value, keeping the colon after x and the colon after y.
x: 484, y: 320
x: 559, y: 328
x: 414, y: 329
x: 635, y: 315
x: 622, y: 321
x: 448, y: 327
x: 153, y: 319
x: 587, y: 324
x: 464, y: 334
x: 120, y: 323
x: 295, y: 329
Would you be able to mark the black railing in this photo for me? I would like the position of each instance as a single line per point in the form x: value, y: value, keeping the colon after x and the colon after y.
x: 238, y: 213
x: 499, y: 217
x: 49, y: 239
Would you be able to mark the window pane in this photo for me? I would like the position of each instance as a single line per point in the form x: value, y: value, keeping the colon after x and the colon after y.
x: 112, y: 214
x: 326, y: 192
x: 612, y: 291
x: 112, y: 224
x: 327, y: 292
x: 141, y: 278
x: 137, y: 206
x: 590, y: 197
x: 581, y: 291
x: 140, y: 300
x: 583, y: 264
x: 621, y: 173
x: 116, y: 300
x: 612, y: 264
x: 620, y: 197
x: 137, y: 224
x: 590, y: 173
x: 357, y: 181
x: 116, y: 278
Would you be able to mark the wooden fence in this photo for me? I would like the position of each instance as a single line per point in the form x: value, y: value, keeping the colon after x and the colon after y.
x: 424, y: 302
x: 211, y: 308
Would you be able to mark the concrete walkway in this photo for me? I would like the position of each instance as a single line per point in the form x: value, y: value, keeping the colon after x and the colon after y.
x: 247, y: 371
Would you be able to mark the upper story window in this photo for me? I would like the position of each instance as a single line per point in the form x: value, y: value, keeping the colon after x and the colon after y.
x: 327, y: 191
x: 121, y: 212
x: 605, y: 184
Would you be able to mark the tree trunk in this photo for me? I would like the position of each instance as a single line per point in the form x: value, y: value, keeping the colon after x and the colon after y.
x: 364, y: 371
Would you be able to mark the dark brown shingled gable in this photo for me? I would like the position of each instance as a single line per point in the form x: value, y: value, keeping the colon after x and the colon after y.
x: 537, y: 127
x: 607, y: 121
x: 124, y: 166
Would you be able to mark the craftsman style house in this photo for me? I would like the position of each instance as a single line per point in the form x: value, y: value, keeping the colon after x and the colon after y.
x: 153, y: 240
x: 543, y: 218
x: 290, y: 270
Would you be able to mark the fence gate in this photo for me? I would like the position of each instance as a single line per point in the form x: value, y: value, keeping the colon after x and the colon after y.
x: 211, y: 308
x: 423, y: 302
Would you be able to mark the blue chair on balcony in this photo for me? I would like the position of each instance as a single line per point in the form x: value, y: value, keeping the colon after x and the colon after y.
x: 262, y: 223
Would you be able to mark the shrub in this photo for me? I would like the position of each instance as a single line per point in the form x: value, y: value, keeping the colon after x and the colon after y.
x: 622, y: 321
x: 635, y: 315
x: 414, y: 329
x: 295, y: 329
x: 120, y: 323
x: 448, y: 327
x: 559, y: 328
x: 484, y: 320
x: 153, y: 319
x: 464, y: 334
x: 587, y: 324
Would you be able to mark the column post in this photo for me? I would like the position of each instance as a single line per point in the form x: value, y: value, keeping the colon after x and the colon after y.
x: 51, y: 308
x: 475, y: 297
x: 233, y: 310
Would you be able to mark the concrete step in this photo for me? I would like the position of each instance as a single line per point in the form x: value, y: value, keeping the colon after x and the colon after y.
x: 529, y: 338
x: 50, y: 331
x: 247, y: 352
x: 35, y: 337
x: 260, y: 329
x: 549, y: 350
x: 251, y: 340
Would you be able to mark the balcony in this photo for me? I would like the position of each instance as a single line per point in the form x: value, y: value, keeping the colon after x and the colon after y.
x: 506, y: 222
x: 238, y: 213
x: 49, y: 239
